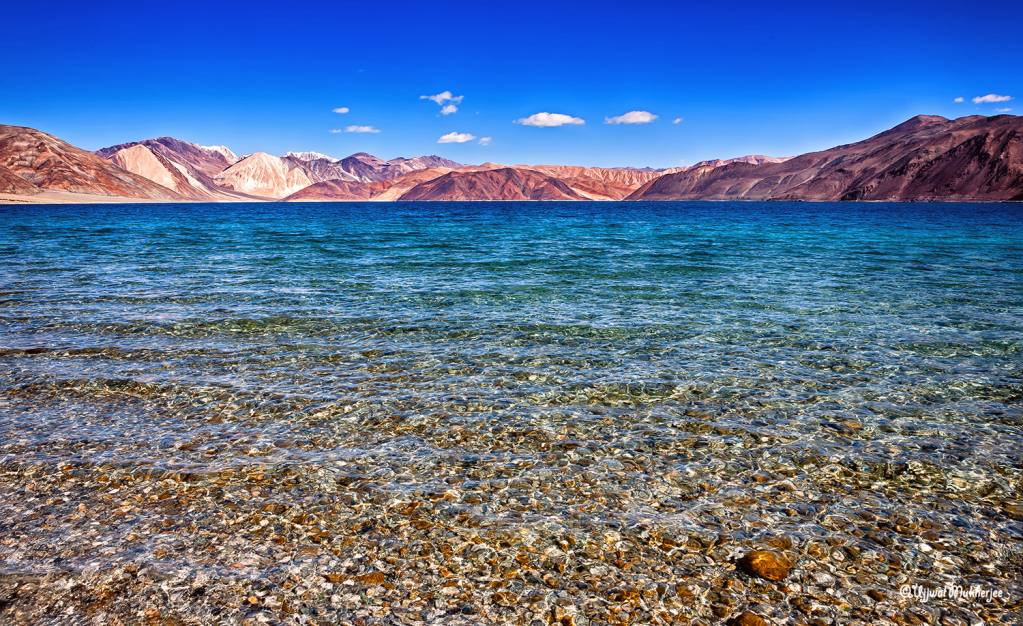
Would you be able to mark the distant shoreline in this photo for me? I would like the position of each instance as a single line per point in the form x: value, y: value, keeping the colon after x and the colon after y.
x: 54, y: 198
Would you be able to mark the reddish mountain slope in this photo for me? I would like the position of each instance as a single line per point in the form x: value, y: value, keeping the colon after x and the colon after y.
x: 499, y: 184
x: 618, y: 177
x: 319, y: 170
x: 12, y: 183
x: 593, y: 189
x: 366, y: 168
x: 595, y: 183
x: 399, y: 186
x: 215, y: 174
x: 209, y: 161
x: 187, y: 168
x: 925, y: 158
x: 378, y: 191
x: 339, y: 191
x: 401, y: 166
x: 145, y: 162
x: 49, y: 163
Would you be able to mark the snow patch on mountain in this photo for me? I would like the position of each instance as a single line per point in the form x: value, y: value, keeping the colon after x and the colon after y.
x: 231, y: 157
x: 310, y: 156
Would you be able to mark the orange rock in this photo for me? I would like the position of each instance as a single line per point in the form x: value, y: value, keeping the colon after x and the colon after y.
x: 748, y: 619
x: 766, y: 564
x: 373, y: 578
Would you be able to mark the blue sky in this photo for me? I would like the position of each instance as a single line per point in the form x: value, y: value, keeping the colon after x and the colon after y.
x: 775, y: 78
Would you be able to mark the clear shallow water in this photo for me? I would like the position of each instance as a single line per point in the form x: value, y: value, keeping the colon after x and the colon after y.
x: 734, y: 371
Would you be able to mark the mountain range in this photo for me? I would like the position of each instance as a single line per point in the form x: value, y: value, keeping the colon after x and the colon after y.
x: 32, y: 162
x: 925, y: 158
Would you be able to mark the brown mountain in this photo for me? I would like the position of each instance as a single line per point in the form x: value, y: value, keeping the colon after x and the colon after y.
x: 489, y: 165
x: 209, y: 160
x: 415, y: 164
x: 618, y: 177
x: 925, y: 158
x: 339, y: 191
x: 12, y: 183
x: 377, y: 191
x: 596, y: 183
x: 392, y: 190
x: 323, y: 169
x: 752, y: 159
x: 592, y: 189
x: 214, y: 173
x: 366, y: 168
x: 187, y: 168
x: 499, y: 184
x: 266, y: 176
x: 47, y: 163
x: 399, y: 186
x: 146, y: 162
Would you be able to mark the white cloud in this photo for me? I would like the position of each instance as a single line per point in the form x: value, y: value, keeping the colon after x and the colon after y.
x: 337, y: 130
x: 632, y: 117
x: 548, y: 119
x: 341, y: 110
x: 442, y: 97
x: 991, y: 98
x: 677, y: 120
x: 360, y: 129
x: 1003, y: 110
x: 958, y: 100
x: 448, y: 109
x: 485, y: 141
x: 456, y: 138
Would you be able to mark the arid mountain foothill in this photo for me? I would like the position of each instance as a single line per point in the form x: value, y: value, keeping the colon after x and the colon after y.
x: 32, y: 162
x: 927, y: 158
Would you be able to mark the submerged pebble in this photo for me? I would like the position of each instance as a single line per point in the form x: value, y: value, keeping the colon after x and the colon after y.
x: 766, y: 564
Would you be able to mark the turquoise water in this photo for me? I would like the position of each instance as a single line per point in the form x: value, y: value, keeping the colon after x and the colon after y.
x: 546, y: 368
